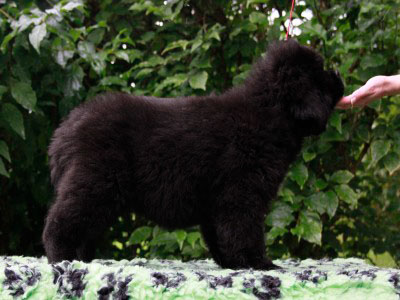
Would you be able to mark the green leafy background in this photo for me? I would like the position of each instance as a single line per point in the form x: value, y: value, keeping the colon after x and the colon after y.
x: 340, y: 198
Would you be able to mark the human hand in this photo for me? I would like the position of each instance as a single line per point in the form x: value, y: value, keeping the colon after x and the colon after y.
x: 374, y: 89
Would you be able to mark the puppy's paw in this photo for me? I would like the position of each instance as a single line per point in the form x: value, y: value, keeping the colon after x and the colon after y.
x: 265, y: 265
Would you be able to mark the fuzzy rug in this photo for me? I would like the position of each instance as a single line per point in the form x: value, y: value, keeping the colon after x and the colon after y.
x: 34, y: 278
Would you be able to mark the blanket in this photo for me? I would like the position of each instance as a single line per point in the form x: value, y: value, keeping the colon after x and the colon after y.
x: 34, y: 278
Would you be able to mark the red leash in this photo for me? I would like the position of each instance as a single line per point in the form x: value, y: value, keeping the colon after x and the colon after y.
x: 290, y: 20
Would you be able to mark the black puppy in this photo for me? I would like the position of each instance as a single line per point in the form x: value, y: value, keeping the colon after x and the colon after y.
x: 216, y: 161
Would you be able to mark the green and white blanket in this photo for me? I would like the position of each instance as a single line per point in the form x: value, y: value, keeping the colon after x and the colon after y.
x: 33, y: 278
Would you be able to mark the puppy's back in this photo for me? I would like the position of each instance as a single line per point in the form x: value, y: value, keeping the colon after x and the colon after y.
x: 95, y: 127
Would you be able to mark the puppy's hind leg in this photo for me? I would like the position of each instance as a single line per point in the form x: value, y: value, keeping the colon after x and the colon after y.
x: 59, y: 244
x: 84, y: 208
x: 210, y: 237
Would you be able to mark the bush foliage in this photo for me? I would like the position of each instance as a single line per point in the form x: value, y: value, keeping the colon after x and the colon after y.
x: 340, y: 197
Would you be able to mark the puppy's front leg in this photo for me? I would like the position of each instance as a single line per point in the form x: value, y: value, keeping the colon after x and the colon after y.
x: 239, y: 241
x: 235, y: 233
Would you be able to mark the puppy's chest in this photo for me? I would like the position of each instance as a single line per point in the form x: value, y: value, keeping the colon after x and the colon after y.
x: 259, y: 142
x: 269, y: 149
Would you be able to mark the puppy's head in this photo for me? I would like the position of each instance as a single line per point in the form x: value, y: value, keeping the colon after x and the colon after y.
x: 305, y: 91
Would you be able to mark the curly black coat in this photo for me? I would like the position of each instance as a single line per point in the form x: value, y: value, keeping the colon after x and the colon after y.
x: 213, y: 161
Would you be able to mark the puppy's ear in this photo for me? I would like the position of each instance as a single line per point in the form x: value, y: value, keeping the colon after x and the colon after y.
x: 311, y: 113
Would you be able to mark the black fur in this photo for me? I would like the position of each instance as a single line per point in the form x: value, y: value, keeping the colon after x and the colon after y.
x: 216, y: 161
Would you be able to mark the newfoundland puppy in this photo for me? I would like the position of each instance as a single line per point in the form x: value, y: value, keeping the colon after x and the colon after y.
x: 216, y: 161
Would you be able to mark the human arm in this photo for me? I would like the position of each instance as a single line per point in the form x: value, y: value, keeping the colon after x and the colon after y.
x: 375, y: 88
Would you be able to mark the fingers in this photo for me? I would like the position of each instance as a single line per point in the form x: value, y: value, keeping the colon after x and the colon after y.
x: 358, y: 98
x: 375, y: 88
x: 345, y: 103
x: 363, y: 93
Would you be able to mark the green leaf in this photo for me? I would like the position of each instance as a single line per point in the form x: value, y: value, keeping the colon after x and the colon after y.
x: 96, y: 36
x: 379, y: 149
x: 373, y: 61
x: 176, y: 44
x: 336, y: 121
x: 392, y: 162
x: 320, y: 184
x: 280, y: 215
x: 342, y: 176
x: 332, y: 135
x: 364, y: 24
x: 200, y: 62
x: 140, y: 234
x: 332, y: 203
x: 134, y: 54
x: 14, y: 118
x: 164, y: 238
x: 180, y: 237
x: 309, y: 227
x: 113, y: 80
x: 4, y: 150
x: 88, y: 52
x: 235, y: 32
x: 7, y: 39
x: 198, y: 80
x: 363, y: 133
x: 214, y: 35
x: 153, y: 61
x: 192, y: 237
x: 37, y: 35
x: 139, y: 7
x: 316, y: 202
x: 21, y: 73
x: 3, y: 90
x: 147, y: 37
x: 62, y: 56
x: 214, y: 32
x: 3, y: 170
x: 240, y: 78
x: 308, y: 156
x: 23, y: 94
x: 249, y: 2
x: 299, y: 173
x: 122, y: 55
x: 118, y: 245
x: 144, y: 72
x: 323, y: 147
x: 196, y: 44
x: 313, y: 29
x: 71, y: 5
x: 274, y: 233
x: 286, y: 194
x: 323, y: 202
x: 347, y: 194
x: 175, y: 80
x: 73, y: 82
x: 202, y: 243
x: 258, y: 18
x: 76, y: 33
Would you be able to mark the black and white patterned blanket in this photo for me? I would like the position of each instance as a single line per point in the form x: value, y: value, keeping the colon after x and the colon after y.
x: 34, y: 278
